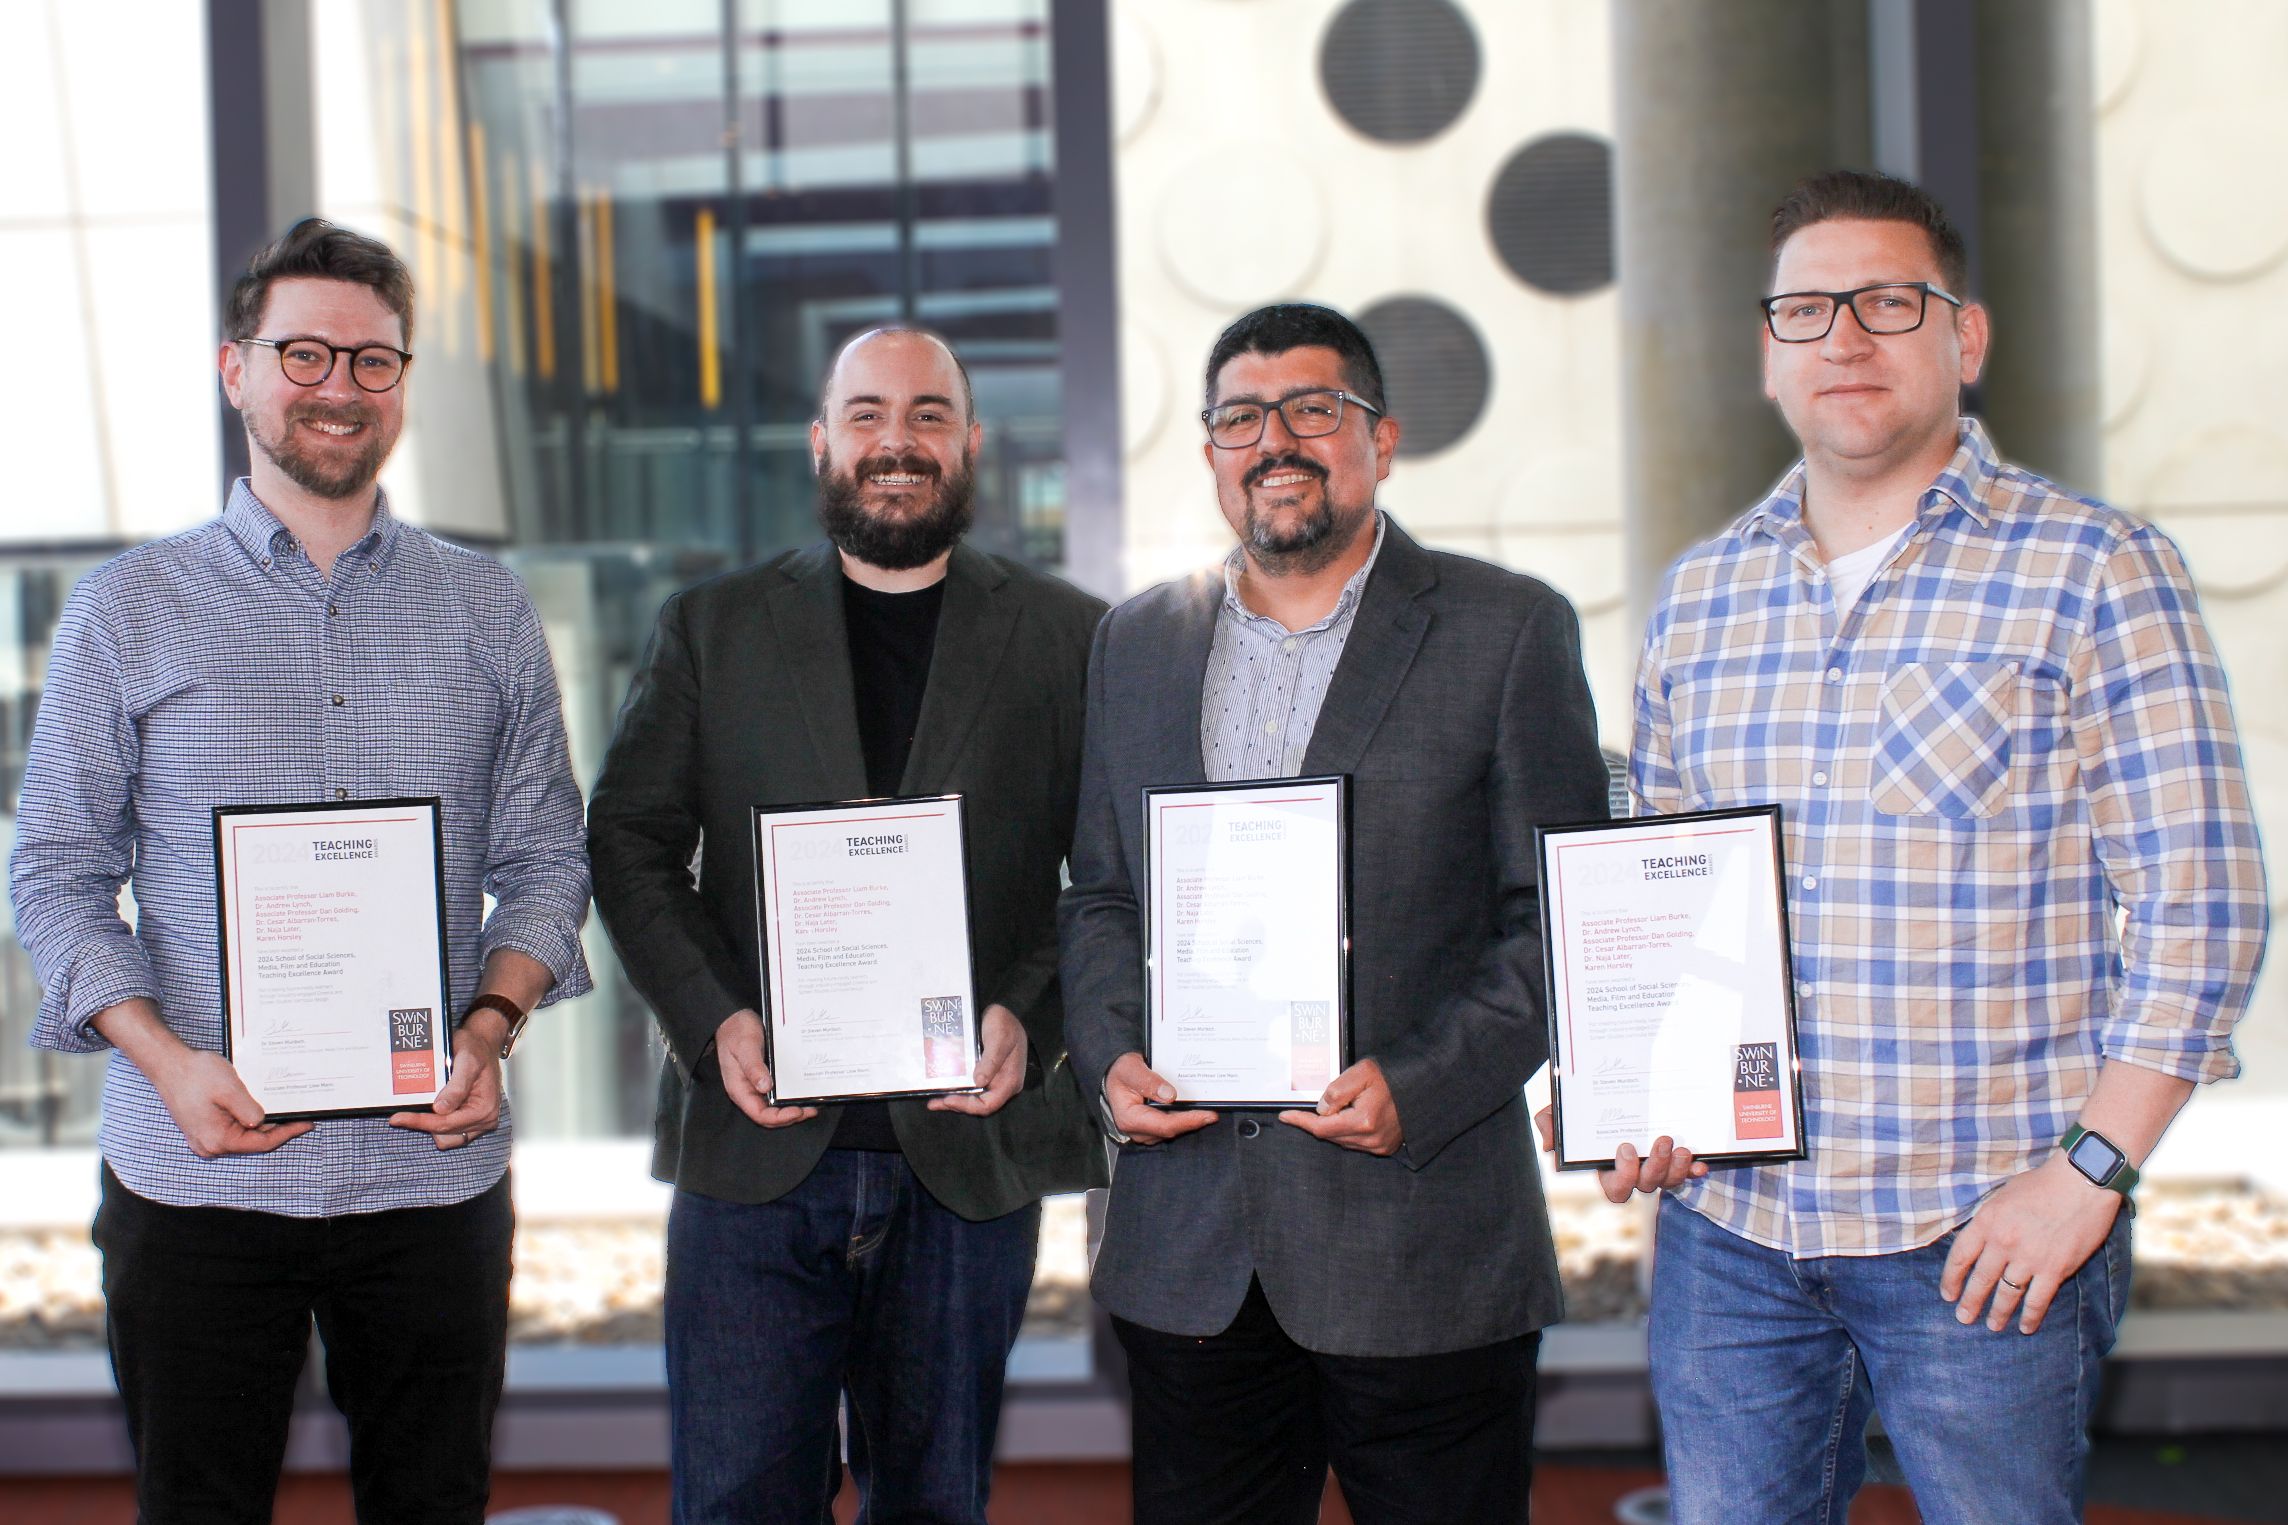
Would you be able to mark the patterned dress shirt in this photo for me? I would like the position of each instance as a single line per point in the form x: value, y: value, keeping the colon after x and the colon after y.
x: 1266, y: 683
x: 2019, y: 840
x: 217, y: 667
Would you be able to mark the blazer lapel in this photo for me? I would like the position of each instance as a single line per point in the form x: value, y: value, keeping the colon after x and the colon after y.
x: 1385, y: 633
x: 806, y: 612
x: 1193, y: 639
x: 974, y: 627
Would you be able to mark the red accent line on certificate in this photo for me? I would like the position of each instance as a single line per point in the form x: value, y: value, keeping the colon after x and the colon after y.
x: 1571, y: 1048
x: 778, y: 965
x: 1299, y: 799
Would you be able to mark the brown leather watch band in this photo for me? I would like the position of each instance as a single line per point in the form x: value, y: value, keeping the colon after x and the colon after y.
x: 517, y: 1016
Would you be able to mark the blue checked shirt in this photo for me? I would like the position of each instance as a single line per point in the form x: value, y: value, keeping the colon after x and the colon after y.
x: 2019, y: 840
x: 216, y: 667
x: 1266, y: 684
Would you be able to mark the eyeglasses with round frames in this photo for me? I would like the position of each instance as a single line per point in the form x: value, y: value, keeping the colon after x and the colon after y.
x: 1895, y: 307
x: 307, y: 362
x: 1307, y: 415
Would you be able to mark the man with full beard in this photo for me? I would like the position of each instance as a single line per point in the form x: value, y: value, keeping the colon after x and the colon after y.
x: 305, y: 647
x: 880, y: 1251
x: 1362, y: 1283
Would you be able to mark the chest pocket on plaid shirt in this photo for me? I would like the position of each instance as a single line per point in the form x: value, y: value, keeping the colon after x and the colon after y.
x: 1943, y: 747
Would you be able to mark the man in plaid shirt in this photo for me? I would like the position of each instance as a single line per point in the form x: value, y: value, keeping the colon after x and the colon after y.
x: 2026, y: 894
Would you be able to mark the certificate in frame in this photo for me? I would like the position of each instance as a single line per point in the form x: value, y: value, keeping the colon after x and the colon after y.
x: 1247, y: 940
x: 332, y: 946
x: 862, y: 919
x: 1670, y: 986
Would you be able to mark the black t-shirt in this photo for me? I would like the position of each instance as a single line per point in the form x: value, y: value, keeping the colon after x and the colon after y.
x: 892, y: 637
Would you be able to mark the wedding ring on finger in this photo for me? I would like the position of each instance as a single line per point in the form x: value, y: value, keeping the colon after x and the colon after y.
x: 2015, y: 1286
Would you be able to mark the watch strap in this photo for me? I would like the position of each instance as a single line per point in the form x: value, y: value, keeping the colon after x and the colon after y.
x: 493, y: 1001
x: 2124, y: 1178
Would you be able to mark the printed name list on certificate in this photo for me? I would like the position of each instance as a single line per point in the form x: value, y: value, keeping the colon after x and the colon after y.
x: 1249, y: 943
x: 867, y: 980
x: 333, y: 955
x: 1671, y: 998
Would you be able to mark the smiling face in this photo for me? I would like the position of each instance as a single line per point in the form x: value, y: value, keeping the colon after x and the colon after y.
x: 1859, y: 403
x: 893, y: 447
x: 330, y: 440
x: 1298, y: 504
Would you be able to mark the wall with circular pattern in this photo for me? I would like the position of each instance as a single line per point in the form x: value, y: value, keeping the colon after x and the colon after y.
x: 1441, y: 170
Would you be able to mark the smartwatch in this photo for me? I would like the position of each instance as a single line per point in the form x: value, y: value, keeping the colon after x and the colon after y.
x: 2097, y: 1157
x: 518, y: 1016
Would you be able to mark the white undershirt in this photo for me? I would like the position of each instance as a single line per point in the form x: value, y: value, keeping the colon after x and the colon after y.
x: 1848, y: 576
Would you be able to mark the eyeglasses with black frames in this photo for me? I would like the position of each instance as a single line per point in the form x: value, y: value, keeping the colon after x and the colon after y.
x: 1307, y: 415
x: 308, y: 362
x: 1896, y: 307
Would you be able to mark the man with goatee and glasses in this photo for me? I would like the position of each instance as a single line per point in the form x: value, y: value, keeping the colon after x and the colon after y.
x: 306, y: 647
x: 879, y: 1252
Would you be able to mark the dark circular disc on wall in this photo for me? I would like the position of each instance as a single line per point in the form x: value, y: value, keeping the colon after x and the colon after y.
x: 1399, y: 71
x: 1550, y: 214
x: 1435, y: 370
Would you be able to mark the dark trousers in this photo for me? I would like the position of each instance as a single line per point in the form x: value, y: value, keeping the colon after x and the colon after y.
x: 208, y: 1310
x: 1238, y: 1428
x: 856, y: 1281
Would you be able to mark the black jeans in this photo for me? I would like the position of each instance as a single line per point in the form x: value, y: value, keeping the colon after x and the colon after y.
x: 1239, y: 1427
x: 208, y: 1311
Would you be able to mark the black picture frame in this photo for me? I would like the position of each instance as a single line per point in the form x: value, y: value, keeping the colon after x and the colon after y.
x: 757, y: 815
x: 1545, y: 839
x: 1345, y: 1055
x: 448, y: 1021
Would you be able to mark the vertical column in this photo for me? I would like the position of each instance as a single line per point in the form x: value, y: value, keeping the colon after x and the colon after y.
x: 1088, y: 293
x: 2037, y: 177
x: 259, y: 131
x: 1719, y: 109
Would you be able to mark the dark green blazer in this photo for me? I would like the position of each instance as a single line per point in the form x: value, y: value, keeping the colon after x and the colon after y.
x: 745, y: 699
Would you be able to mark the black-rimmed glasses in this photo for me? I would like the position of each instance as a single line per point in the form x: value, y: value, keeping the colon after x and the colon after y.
x: 1895, y: 307
x: 308, y: 362
x: 1307, y: 415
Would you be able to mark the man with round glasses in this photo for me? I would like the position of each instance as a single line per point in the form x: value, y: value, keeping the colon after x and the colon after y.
x: 1361, y: 1283
x: 2026, y: 899
x: 306, y: 647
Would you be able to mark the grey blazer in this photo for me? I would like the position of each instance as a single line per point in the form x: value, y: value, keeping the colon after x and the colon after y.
x: 745, y: 699
x: 1461, y: 714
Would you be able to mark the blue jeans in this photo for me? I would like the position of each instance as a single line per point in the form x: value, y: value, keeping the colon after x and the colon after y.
x: 857, y: 1281
x: 1766, y: 1369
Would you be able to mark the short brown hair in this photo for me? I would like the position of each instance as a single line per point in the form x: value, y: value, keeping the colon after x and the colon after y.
x: 317, y: 248
x: 1839, y: 194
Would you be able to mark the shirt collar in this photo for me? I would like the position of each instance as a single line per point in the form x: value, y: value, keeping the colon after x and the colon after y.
x: 1965, y: 482
x: 257, y: 529
x: 1345, y: 602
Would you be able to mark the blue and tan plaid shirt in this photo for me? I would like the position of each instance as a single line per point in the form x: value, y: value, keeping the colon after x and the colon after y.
x: 2019, y: 840
x: 216, y: 667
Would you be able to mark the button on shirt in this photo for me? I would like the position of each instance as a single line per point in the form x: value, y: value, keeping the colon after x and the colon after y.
x: 1266, y: 683
x: 2020, y: 725
x: 217, y: 667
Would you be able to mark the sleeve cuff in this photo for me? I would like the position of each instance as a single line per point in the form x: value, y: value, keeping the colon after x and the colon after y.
x: 100, y: 978
x: 2173, y: 1052
x: 556, y: 946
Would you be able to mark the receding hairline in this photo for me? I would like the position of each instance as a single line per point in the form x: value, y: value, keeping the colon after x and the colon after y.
x: 967, y: 391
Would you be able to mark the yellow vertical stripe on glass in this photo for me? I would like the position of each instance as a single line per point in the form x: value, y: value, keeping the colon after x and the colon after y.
x: 543, y: 280
x: 481, y: 239
x: 512, y: 263
x: 710, y: 363
x: 453, y: 206
x: 607, y: 295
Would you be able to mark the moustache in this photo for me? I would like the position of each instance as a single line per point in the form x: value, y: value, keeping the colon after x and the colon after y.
x: 1261, y: 469
x: 913, y: 464
x: 325, y: 413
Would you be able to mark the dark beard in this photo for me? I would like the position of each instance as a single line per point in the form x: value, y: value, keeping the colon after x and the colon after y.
x: 903, y: 542
x: 1311, y: 545
x: 350, y: 478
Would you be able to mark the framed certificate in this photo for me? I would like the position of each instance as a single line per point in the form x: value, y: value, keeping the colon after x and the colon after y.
x: 333, y: 955
x: 1671, y: 993
x: 1247, y: 945
x: 862, y: 910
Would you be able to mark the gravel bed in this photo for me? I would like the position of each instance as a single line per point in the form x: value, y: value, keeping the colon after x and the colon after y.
x: 2199, y: 1245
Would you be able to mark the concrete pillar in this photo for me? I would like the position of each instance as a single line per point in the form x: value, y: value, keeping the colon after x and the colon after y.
x: 1719, y: 110
x: 2037, y: 178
